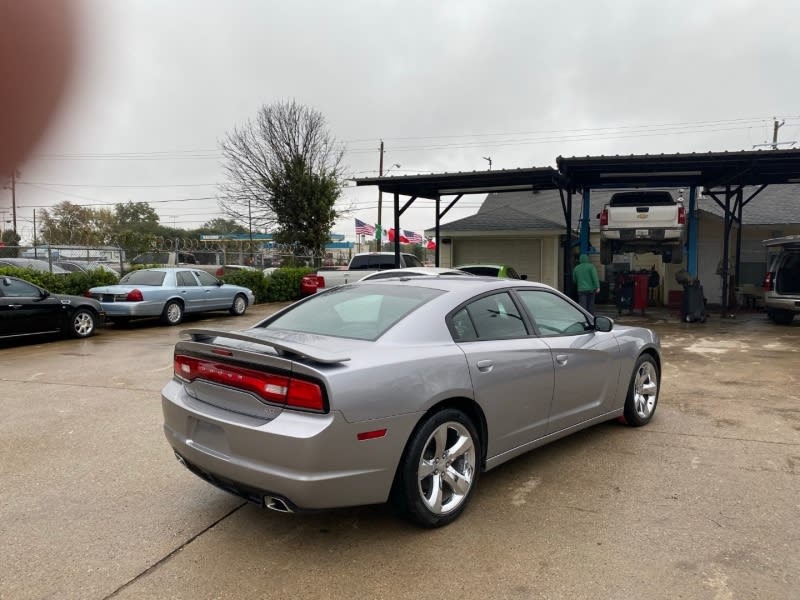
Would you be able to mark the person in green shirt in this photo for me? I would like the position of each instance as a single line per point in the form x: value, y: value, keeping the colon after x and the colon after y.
x: 585, y: 277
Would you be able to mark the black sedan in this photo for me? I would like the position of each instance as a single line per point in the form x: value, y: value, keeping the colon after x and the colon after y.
x: 27, y: 309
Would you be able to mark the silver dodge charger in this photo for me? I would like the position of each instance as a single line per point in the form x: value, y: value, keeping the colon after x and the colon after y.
x: 403, y: 389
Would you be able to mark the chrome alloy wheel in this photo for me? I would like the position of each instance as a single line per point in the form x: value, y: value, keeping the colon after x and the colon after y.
x: 83, y: 324
x: 174, y: 312
x: 239, y: 305
x: 645, y: 389
x: 446, y: 468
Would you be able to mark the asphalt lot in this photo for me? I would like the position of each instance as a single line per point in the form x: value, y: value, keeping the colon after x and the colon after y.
x: 701, y: 504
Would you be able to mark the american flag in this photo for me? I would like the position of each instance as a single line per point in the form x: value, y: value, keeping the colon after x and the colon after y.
x: 413, y: 236
x: 364, y: 228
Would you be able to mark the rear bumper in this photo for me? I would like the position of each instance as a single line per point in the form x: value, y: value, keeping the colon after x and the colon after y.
x: 643, y: 234
x: 788, y: 303
x: 132, y: 309
x: 312, y: 461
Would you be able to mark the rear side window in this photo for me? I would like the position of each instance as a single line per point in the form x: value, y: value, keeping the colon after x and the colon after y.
x: 642, y: 199
x: 186, y: 279
x: 788, y: 279
x: 488, y: 318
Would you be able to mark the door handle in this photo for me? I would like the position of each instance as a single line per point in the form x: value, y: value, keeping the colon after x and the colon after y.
x: 485, y: 366
x: 562, y: 359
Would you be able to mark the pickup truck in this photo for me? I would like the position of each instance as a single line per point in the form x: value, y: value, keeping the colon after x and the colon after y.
x: 179, y: 259
x: 360, y: 266
x: 646, y: 221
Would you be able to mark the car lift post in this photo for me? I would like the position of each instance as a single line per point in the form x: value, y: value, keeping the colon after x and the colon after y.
x: 585, y: 216
x: 691, y: 255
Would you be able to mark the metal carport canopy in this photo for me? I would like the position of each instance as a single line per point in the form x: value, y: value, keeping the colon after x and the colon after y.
x: 728, y: 172
x: 435, y: 185
x: 708, y: 170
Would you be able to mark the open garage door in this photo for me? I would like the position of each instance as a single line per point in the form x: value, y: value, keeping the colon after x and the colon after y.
x: 525, y: 255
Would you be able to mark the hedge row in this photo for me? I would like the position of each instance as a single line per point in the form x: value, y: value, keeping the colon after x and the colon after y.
x: 282, y: 286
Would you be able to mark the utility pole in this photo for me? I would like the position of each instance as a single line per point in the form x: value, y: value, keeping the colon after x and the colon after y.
x: 14, y: 199
x: 775, y: 143
x: 380, y: 201
x: 775, y: 128
x: 488, y: 158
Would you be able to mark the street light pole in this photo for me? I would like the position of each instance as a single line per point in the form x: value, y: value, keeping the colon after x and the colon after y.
x: 380, y: 202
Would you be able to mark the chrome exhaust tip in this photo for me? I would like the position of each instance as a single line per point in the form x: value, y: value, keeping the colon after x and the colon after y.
x: 276, y: 504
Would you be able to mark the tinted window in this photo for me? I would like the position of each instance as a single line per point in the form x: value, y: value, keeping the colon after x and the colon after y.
x: 152, y: 258
x: 14, y: 288
x: 486, y: 271
x: 463, y: 329
x: 185, y: 278
x: 552, y: 314
x: 144, y: 278
x: 788, y: 279
x: 495, y: 317
x: 361, y: 312
x: 412, y: 261
x: 642, y: 199
x: 206, y: 278
x: 512, y: 274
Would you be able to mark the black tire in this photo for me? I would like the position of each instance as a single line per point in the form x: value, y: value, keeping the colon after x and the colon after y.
x: 239, y: 305
x: 432, y: 500
x: 782, y: 317
x: 677, y: 254
x: 172, y: 313
x: 642, y: 398
x: 606, y: 254
x: 82, y: 323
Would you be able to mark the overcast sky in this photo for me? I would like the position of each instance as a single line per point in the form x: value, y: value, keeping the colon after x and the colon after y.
x: 444, y: 83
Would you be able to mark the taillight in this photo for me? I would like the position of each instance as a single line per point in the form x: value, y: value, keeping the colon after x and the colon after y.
x: 134, y: 296
x: 604, y: 218
x: 87, y: 294
x: 277, y: 389
x: 220, y: 272
x: 681, y: 215
x: 769, y: 282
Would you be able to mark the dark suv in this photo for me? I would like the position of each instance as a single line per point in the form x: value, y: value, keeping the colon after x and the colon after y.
x: 782, y: 282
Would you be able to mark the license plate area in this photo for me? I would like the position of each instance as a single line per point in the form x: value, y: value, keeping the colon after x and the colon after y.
x: 642, y: 233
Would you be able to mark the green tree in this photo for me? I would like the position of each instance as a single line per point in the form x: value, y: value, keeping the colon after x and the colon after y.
x: 67, y: 223
x: 220, y: 225
x: 136, y: 216
x: 284, y: 175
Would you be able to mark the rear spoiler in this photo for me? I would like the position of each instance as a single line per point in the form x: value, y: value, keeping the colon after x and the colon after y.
x: 296, y: 348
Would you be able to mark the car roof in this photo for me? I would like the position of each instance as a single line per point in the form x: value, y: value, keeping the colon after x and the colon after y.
x: 459, y: 283
x: 412, y: 271
x: 789, y: 240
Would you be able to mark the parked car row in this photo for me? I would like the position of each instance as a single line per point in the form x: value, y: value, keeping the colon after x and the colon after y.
x: 167, y: 293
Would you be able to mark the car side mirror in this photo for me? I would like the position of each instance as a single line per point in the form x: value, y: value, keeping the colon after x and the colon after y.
x: 525, y: 277
x: 603, y: 324
x: 44, y: 294
x: 220, y: 283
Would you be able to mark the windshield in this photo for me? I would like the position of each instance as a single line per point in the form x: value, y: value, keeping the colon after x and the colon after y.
x: 354, y: 311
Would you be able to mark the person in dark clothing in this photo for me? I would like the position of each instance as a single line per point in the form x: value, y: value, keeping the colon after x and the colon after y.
x: 585, y: 277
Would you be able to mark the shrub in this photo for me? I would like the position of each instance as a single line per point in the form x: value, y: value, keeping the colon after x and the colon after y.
x: 74, y: 283
x: 254, y: 280
x: 284, y: 284
x: 77, y: 283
